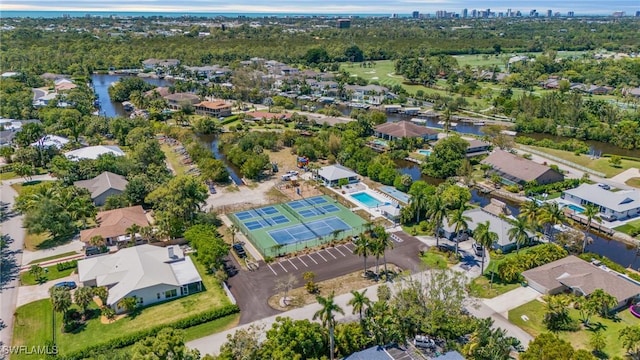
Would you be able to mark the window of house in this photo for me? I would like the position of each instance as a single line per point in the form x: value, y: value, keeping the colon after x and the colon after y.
x: 170, y: 293
x: 158, y: 295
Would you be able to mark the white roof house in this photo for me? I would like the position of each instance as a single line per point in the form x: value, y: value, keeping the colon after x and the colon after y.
x: 331, y: 174
x: 146, y: 272
x: 93, y: 152
x: 51, y: 140
x: 614, y: 205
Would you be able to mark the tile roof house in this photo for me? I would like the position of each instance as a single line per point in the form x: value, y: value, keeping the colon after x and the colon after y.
x: 162, y: 91
x: 93, y: 152
x: 332, y: 174
x: 103, y: 186
x: 514, y: 169
x: 582, y: 278
x: 618, y: 205
x: 213, y: 108
x: 155, y: 63
x: 113, y: 224
x: 149, y: 273
x: 404, y: 129
x: 177, y: 100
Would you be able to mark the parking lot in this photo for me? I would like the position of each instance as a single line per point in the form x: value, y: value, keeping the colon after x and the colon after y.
x: 310, y: 261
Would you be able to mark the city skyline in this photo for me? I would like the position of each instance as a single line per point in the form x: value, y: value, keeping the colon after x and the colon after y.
x: 404, y: 7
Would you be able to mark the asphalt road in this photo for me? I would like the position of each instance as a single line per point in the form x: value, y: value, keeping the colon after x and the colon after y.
x: 252, y: 289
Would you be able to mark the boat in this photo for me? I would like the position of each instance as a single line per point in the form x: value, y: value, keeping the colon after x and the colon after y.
x: 358, y: 105
x: 451, y: 124
x: 479, y: 123
x: 419, y: 121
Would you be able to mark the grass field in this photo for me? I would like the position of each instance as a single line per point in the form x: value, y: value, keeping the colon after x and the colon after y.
x: 535, y: 311
x: 269, y: 247
x: 629, y: 228
x: 33, y: 321
x: 51, y: 273
x: 173, y: 158
x: 434, y: 261
x: 483, y: 288
x: 602, y: 164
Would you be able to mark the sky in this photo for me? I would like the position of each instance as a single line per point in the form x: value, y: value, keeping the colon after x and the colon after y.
x: 321, y: 7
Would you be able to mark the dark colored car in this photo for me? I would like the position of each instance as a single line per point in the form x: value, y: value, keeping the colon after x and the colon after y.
x: 66, y: 284
x: 240, y: 251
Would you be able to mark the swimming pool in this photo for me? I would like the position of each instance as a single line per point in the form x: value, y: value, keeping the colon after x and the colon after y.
x: 366, y: 199
x: 424, y: 152
x: 575, y: 208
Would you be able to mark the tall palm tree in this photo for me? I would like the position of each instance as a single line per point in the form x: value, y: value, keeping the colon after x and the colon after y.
x: 326, y: 316
x: 459, y: 221
x: 530, y: 210
x: 519, y: 231
x: 363, y: 248
x: 552, y: 214
x: 359, y: 301
x: 437, y: 213
x: 384, y: 243
x: 591, y: 212
x: 485, y: 237
x: 82, y: 208
x: 377, y: 251
x: 233, y: 230
x: 418, y: 200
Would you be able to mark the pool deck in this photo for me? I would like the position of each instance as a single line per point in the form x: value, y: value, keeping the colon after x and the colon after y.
x: 395, y: 193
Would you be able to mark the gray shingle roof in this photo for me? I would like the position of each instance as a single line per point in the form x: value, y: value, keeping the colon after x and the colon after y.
x: 103, y: 182
x: 620, y: 201
x: 336, y: 172
x: 515, y: 166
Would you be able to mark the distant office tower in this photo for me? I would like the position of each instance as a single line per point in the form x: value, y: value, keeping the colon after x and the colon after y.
x: 533, y: 13
x: 571, y: 14
x: 518, y: 13
x: 465, y: 13
x: 509, y: 14
x: 415, y: 14
x: 474, y: 13
x: 549, y: 13
x: 344, y: 23
x: 618, y: 14
x: 638, y: 13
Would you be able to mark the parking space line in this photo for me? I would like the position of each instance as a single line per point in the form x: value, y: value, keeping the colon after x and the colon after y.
x: 348, y: 248
x: 338, y: 250
x: 292, y: 264
x: 327, y: 250
x: 274, y: 272
x: 299, y: 258
x: 282, y: 266
x: 325, y: 260
x: 312, y: 259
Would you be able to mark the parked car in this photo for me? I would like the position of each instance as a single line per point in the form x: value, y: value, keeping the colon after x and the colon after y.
x: 66, y: 285
x: 605, y: 186
x: 422, y: 341
x: 478, y: 249
x: 240, y: 251
x: 292, y: 172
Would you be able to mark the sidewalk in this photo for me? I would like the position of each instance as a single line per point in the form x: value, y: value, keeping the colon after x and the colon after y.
x: 26, y: 267
x: 29, y: 256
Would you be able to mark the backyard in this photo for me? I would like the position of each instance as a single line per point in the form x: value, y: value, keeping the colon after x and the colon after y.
x: 602, y: 164
x: 34, y: 321
x: 535, y: 310
x: 631, y: 228
x: 50, y: 273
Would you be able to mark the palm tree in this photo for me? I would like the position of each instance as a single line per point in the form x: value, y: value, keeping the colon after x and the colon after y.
x: 96, y: 240
x: 132, y: 231
x: 437, y: 213
x: 147, y: 233
x: 233, y: 230
x: 485, y: 237
x: 458, y: 220
x: 82, y: 208
x: 519, y: 231
x: 530, y: 210
x: 363, y: 248
x: 591, y: 212
x: 384, y: 242
x: 552, y: 214
x: 359, y: 301
x: 83, y: 297
x: 418, y: 200
x: 60, y: 300
x: 326, y: 315
x: 376, y: 250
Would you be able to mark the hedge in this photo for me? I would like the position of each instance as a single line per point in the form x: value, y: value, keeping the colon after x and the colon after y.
x: 609, y: 263
x: 532, y: 189
x: 131, y: 339
x: 67, y: 265
x: 229, y: 119
x: 623, y: 157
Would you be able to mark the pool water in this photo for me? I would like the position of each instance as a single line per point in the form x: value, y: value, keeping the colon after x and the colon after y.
x: 424, y: 152
x: 575, y: 208
x: 366, y: 199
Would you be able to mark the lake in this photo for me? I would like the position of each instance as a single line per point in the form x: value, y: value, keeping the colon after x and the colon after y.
x: 108, y: 108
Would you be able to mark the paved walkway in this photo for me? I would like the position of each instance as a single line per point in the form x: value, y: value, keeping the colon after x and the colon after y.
x: 73, y: 246
x: 27, y: 294
x: 626, y: 175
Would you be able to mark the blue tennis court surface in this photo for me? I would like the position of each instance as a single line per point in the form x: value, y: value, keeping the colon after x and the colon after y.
x: 250, y: 214
x: 315, y: 211
x: 266, y: 222
x: 312, y: 230
x: 307, y: 202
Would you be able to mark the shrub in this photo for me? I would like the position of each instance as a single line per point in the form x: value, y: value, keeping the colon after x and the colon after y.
x: 67, y: 265
x: 511, y: 268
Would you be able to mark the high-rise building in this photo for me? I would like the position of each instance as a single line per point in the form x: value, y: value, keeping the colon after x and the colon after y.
x: 509, y: 13
x: 571, y: 14
x: 474, y: 13
x: 344, y: 23
x: 415, y: 14
x: 465, y: 12
x: 533, y: 13
x: 638, y: 13
x: 549, y: 13
x: 618, y: 14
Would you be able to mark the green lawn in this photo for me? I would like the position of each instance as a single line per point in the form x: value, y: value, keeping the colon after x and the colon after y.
x: 635, y: 182
x: 601, y: 164
x: 173, y: 158
x: 629, y: 228
x: 212, y: 327
x: 32, y: 241
x: 51, y: 273
x: 433, y: 260
x: 164, y: 313
x: 535, y: 311
x: 37, y: 261
x: 481, y: 287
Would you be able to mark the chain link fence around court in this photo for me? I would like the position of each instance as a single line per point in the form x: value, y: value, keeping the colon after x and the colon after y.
x: 268, y: 247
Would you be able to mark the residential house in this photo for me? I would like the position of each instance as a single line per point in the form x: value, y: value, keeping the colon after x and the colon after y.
x: 46, y: 141
x: 63, y: 85
x: 477, y: 147
x: 514, y: 169
x: 102, y: 186
x: 404, y: 129
x: 148, y: 273
x: 332, y: 174
x: 213, y: 108
x: 572, y: 274
x: 613, y: 205
x: 370, y: 94
x: 177, y: 100
x: 113, y: 225
x: 263, y: 115
x: 93, y: 152
x: 391, y: 352
x: 160, y: 91
x: 635, y: 92
x: 152, y: 63
x: 499, y: 218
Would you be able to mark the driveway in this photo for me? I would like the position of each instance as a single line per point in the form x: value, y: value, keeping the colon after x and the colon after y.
x: 252, y: 289
x: 512, y: 299
x: 27, y: 294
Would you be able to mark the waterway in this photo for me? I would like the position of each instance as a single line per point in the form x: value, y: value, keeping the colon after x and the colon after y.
x: 212, y: 142
x: 108, y: 108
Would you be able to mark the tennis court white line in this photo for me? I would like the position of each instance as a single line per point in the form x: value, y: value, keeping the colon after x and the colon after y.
x: 292, y: 264
x: 274, y: 272
x: 327, y: 250
x: 299, y: 258
x: 282, y: 266
x: 338, y: 250
x: 321, y: 256
x: 312, y: 259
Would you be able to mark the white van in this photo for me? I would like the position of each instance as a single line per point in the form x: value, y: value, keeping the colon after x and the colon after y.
x: 422, y: 341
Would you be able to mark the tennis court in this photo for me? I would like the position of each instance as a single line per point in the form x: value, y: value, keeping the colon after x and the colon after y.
x: 289, y: 227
